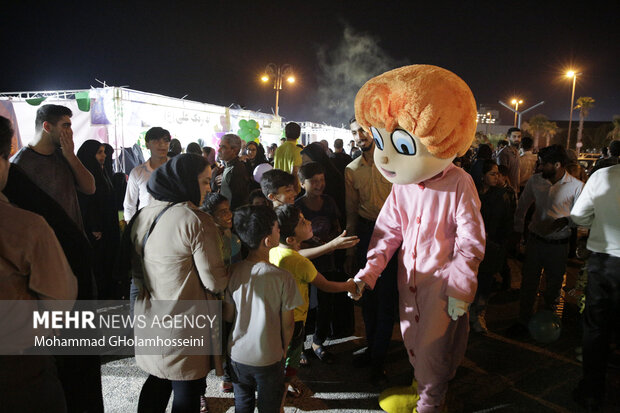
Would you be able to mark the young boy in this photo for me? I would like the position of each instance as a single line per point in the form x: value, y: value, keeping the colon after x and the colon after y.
x: 321, y: 210
x: 260, y: 299
x: 279, y: 187
x: 295, y: 229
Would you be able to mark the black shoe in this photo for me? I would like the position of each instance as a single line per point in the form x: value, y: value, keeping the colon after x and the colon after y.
x: 517, y: 331
x: 590, y: 404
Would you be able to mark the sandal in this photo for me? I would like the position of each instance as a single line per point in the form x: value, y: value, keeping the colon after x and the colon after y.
x: 323, y: 355
x: 303, y: 360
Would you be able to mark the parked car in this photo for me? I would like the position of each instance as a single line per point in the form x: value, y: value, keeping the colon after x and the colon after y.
x: 587, y: 160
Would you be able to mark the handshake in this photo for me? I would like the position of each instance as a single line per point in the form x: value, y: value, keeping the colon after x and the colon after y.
x: 356, y: 288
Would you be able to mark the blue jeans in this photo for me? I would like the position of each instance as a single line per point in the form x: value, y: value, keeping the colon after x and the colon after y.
x: 267, y: 380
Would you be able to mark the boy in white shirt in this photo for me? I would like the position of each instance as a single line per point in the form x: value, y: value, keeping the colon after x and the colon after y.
x: 260, y: 299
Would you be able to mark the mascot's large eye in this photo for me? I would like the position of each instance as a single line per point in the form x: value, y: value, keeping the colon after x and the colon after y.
x: 403, y: 142
x: 377, y: 137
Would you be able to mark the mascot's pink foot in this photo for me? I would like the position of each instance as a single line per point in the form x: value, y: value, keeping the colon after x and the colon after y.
x: 400, y: 399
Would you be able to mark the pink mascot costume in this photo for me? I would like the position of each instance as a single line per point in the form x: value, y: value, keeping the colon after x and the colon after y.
x: 421, y: 117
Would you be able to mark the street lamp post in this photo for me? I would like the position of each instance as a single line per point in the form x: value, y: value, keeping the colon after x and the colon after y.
x: 516, y: 102
x: 278, y: 73
x: 572, y: 74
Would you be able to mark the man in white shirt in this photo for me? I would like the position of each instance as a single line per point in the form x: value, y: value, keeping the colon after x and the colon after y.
x: 598, y: 208
x: 137, y: 197
x: 157, y: 141
x: 554, y: 192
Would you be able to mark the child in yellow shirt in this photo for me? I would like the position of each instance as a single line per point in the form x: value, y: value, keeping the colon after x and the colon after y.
x: 295, y: 229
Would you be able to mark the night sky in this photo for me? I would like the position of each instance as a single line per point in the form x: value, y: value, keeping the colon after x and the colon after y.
x: 215, y: 51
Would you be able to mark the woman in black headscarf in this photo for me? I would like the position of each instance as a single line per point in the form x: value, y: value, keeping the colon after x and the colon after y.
x: 176, y: 259
x: 100, y: 217
x: 108, y: 164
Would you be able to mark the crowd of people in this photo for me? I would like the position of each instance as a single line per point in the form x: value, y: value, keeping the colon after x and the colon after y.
x: 279, y: 251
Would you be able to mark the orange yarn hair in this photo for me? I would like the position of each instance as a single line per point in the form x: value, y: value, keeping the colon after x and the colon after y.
x: 432, y: 103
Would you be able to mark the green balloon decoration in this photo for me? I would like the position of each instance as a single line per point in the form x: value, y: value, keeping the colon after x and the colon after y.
x: 248, y: 130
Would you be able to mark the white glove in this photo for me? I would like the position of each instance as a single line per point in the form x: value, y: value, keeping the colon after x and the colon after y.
x: 456, y: 307
x: 360, y: 290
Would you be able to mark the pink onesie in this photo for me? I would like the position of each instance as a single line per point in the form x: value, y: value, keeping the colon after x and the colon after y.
x: 442, y: 233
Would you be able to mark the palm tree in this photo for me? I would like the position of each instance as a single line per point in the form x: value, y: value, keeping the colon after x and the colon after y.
x: 537, y: 127
x: 584, y: 104
x: 551, y: 129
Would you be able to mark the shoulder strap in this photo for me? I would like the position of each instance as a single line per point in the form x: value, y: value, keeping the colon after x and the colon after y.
x: 146, y: 236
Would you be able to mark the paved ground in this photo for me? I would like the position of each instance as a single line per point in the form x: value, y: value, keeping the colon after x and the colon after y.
x: 498, y: 374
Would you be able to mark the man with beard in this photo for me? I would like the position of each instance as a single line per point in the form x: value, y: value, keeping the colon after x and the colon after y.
x: 509, y: 157
x: 554, y: 192
x: 50, y: 161
x: 366, y: 192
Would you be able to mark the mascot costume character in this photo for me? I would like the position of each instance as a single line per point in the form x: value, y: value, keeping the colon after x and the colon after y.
x: 421, y: 117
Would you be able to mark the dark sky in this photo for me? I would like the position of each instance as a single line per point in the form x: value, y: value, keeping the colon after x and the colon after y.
x: 215, y: 51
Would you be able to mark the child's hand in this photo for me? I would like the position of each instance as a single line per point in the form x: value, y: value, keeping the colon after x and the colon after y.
x: 342, y: 242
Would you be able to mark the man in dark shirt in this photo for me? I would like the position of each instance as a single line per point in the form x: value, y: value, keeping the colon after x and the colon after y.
x: 340, y: 158
x: 235, y: 179
x: 50, y: 162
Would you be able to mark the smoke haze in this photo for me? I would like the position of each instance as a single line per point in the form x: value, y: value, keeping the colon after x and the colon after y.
x: 343, y: 70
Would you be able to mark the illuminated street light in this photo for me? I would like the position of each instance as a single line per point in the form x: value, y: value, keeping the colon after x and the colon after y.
x: 570, y: 74
x: 277, y: 73
x: 516, y: 102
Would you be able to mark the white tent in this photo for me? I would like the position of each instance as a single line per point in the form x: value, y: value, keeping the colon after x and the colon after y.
x: 120, y: 116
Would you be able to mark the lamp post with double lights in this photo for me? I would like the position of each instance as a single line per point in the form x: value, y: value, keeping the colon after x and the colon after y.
x: 278, y: 73
x: 569, y: 74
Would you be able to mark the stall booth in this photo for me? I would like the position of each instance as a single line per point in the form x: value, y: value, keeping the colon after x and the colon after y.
x: 120, y: 117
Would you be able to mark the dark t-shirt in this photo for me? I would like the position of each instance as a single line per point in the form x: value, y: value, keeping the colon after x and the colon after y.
x: 53, y: 175
x: 323, y: 228
x: 340, y: 161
